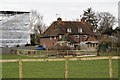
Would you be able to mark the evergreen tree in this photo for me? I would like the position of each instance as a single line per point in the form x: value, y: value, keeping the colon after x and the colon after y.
x: 90, y: 17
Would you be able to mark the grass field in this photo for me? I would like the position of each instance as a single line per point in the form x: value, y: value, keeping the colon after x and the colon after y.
x: 15, y: 56
x: 77, y: 69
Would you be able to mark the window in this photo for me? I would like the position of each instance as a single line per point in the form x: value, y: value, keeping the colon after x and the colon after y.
x: 68, y: 30
x: 60, y: 36
x: 50, y: 38
x: 94, y: 30
x: 71, y: 45
x: 55, y: 37
x: 80, y: 30
x: 85, y: 36
x: 77, y: 36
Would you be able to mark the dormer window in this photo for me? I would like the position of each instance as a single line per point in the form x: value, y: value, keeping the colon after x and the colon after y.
x: 69, y: 30
x: 80, y: 30
x: 94, y: 30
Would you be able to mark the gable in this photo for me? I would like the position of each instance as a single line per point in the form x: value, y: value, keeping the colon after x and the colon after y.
x: 91, y: 39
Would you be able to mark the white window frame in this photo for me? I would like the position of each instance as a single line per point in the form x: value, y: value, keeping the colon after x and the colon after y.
x: 80, y: 30
x: 71, y: 45
x: 69, y: 30
x: 94, y: 30
x: 77, y: 36
x: 60, y: 36
x: 51, y: 38
x: 55, y: 37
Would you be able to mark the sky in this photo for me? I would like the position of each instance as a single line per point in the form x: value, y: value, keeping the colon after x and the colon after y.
x: 67, y: 9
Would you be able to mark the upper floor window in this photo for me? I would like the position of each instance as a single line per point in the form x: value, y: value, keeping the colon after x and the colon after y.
x: 80, y: 30
x: 69, y: 30
x: 94, y: 30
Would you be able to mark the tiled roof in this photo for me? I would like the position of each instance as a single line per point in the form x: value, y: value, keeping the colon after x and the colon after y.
x: 60, y: 27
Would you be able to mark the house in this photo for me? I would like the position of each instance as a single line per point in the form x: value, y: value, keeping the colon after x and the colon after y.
x: 74, y: 32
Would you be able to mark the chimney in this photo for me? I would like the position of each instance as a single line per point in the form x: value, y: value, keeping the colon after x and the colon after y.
x: 59, y: 19
x: 83, y: 20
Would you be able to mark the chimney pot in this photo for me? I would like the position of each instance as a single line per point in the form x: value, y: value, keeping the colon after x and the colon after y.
x: 59, y: 19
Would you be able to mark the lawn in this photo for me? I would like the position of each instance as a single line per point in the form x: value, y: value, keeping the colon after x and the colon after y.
x: 77, y: 69
x: 112, y: 53
x: 15, y: 56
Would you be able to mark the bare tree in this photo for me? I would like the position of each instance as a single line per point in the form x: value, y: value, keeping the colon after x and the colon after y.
x: 105, y: 21
x: 44, y: 28
x: 36, y: 21
x: 36, y: 24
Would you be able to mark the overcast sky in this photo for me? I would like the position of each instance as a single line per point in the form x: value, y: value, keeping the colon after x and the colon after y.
x: 68, y: 9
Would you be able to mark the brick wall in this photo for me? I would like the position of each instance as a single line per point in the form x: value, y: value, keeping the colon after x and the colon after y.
x: 47, y: 42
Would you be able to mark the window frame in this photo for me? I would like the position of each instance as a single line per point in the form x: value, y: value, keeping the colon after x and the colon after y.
x: 80, y: 30
x: 69, y: 30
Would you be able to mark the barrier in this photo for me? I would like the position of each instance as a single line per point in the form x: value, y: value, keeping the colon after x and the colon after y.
x: 55, y: 53
x: 62, y: 59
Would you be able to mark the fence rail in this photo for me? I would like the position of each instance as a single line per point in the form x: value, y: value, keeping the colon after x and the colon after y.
x: 62, y: 59
x: 54, y: 53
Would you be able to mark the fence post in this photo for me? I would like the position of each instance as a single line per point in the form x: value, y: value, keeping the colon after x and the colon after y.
x: 17, y: 52
x: 57, y: 53
x: 66, y: 69
x: 67, y: 52
x: 47, y: 54
x: 110, y: 67
x: 20, y: 69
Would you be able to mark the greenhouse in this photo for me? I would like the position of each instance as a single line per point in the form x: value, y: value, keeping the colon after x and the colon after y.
x: 14, y: 28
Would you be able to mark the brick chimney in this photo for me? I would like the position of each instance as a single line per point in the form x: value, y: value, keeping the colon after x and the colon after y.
x: 59, y: 19
x: 83, y: 20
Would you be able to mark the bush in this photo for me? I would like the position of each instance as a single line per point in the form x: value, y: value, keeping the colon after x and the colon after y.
x: 77, y: 48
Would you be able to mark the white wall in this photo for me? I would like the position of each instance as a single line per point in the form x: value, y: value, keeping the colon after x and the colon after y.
x: 15, y: 30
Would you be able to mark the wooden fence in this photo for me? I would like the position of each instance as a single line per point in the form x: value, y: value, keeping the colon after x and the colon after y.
x: 54, y: 53
x: 62, y: 59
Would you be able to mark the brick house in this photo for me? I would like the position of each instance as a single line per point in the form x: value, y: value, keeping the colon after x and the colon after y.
x: 74, y: 32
